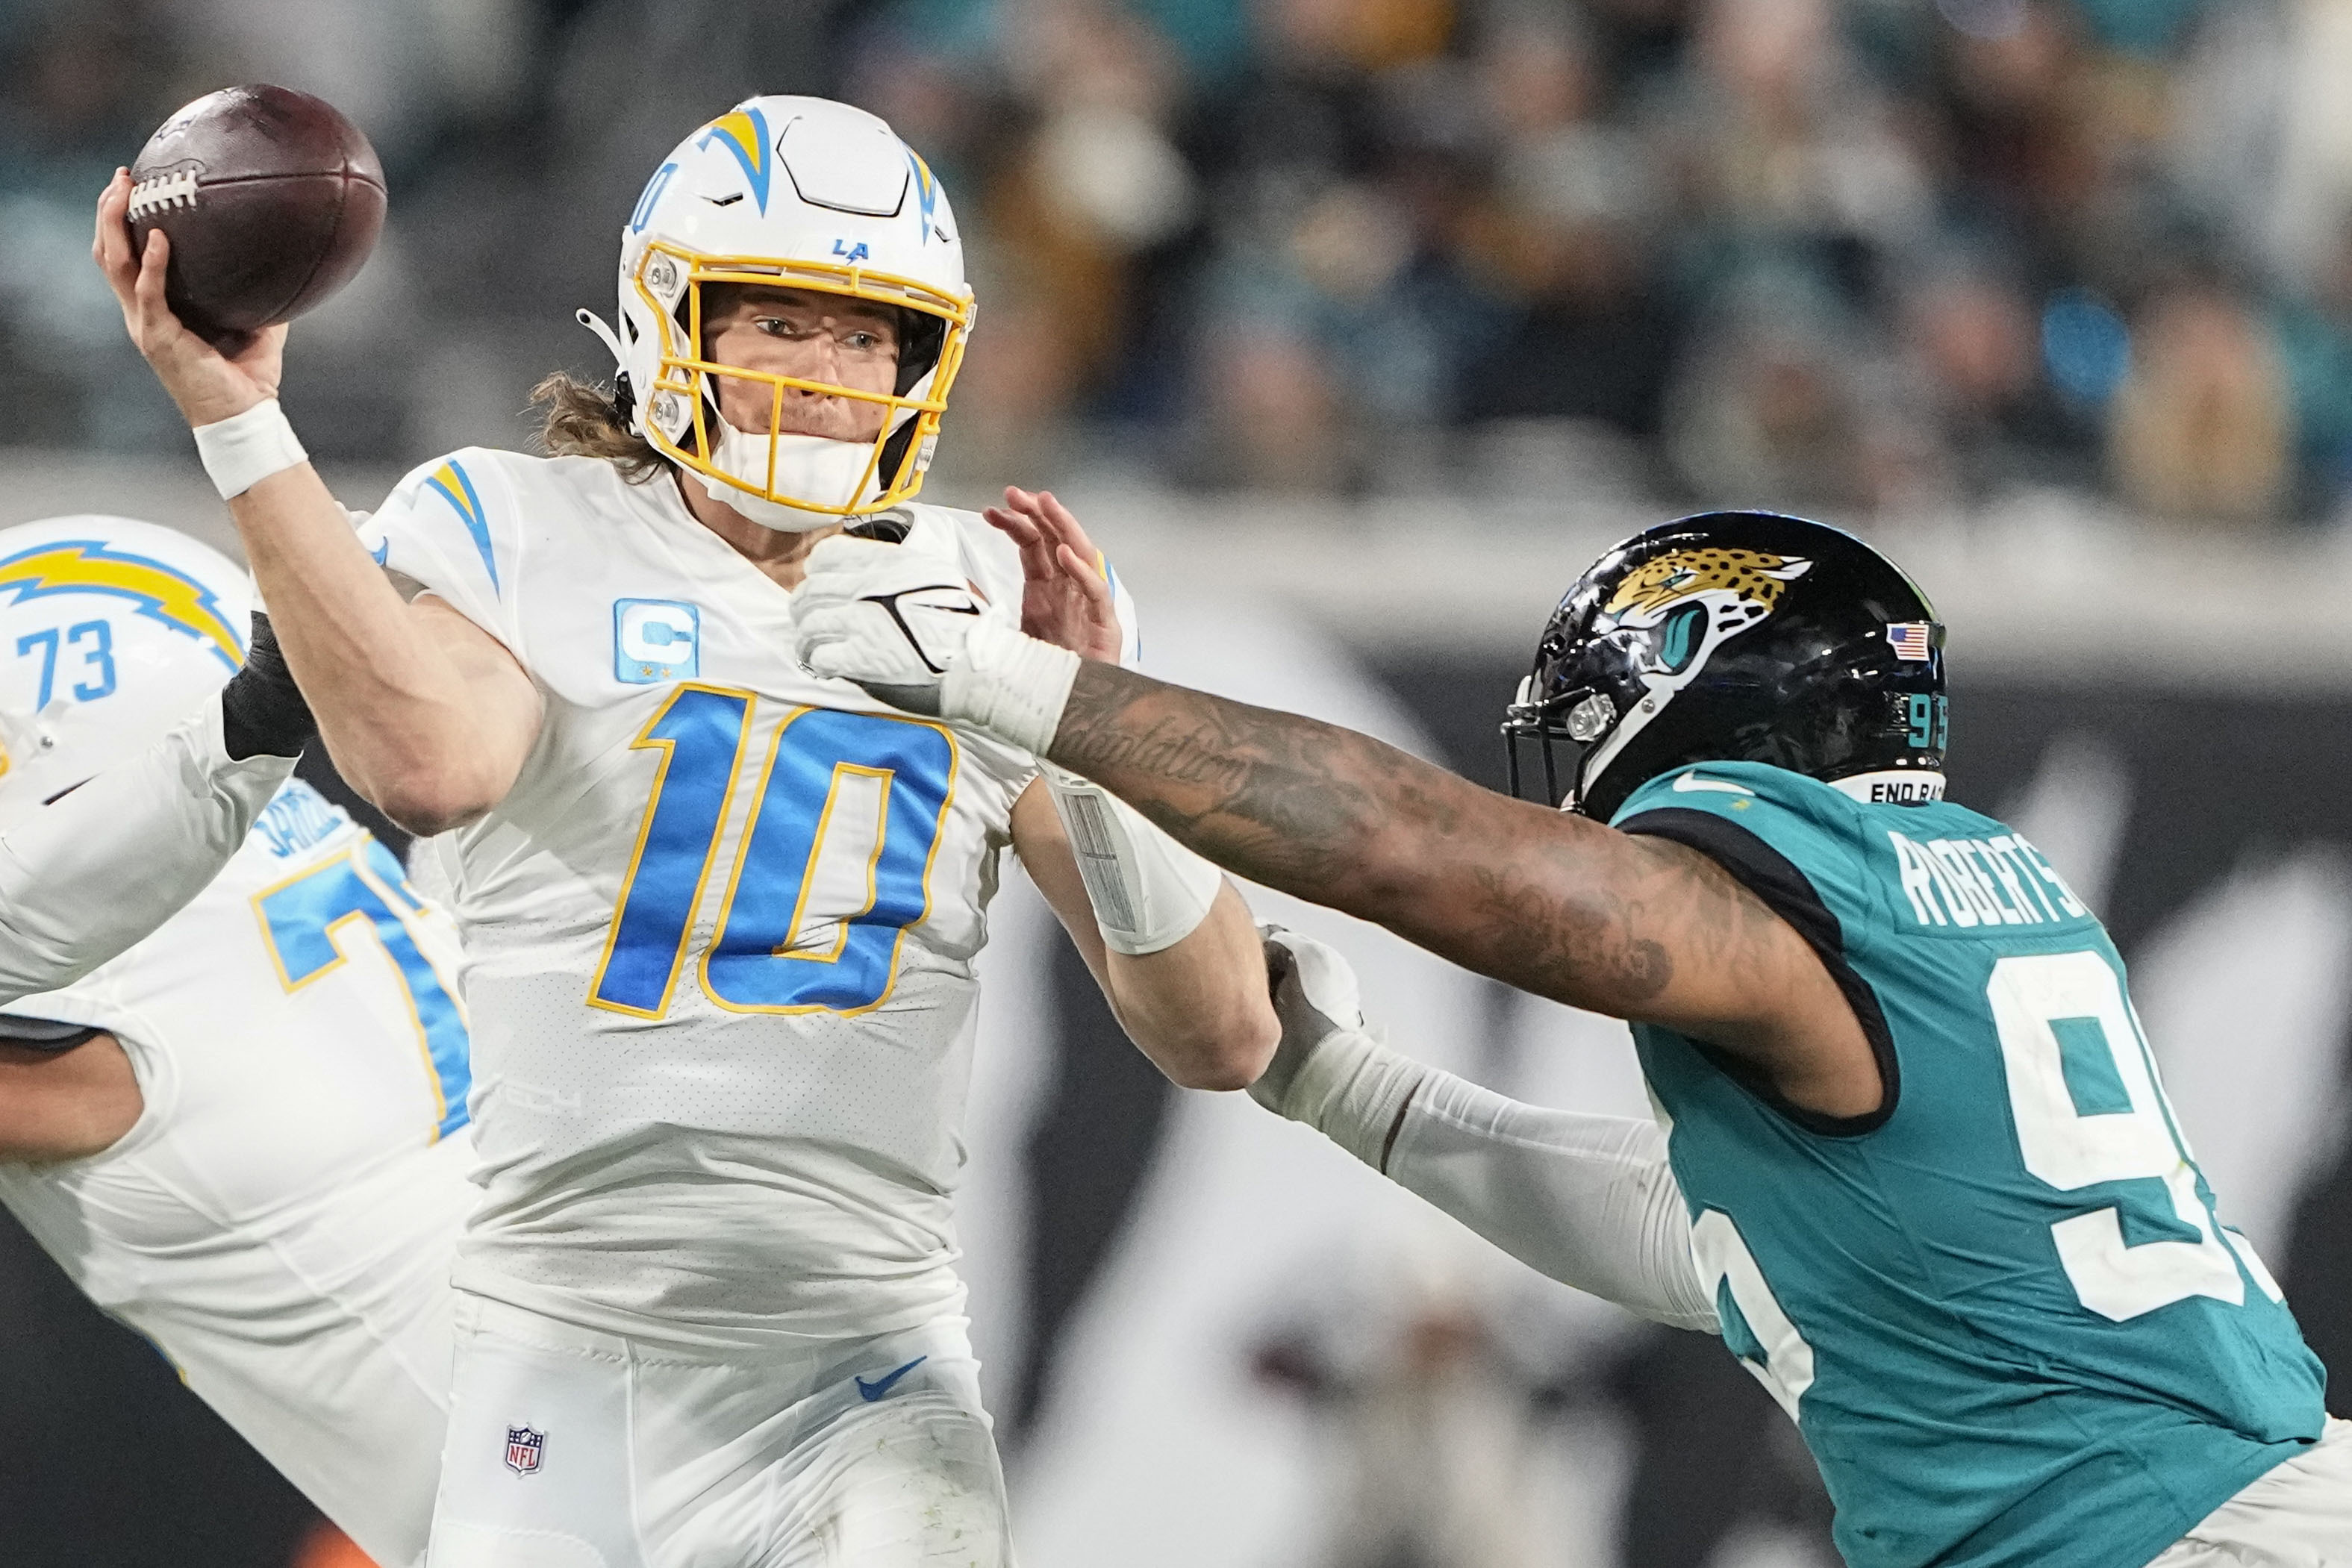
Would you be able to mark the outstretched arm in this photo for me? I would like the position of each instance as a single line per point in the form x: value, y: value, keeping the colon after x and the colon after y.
x: 1558, y: 904
x: 1587, y: 1200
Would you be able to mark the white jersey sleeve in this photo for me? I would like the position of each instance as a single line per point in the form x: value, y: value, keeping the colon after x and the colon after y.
x: 450, y: 528
x: 83, y: 879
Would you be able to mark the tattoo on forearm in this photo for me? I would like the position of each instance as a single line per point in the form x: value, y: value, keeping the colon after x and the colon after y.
x: 1560, y: 906
x: 1159, y: 752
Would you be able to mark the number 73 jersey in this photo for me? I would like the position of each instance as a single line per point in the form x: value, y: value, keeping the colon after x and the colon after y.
x: 721, y: 933
x: 2004, y: 1310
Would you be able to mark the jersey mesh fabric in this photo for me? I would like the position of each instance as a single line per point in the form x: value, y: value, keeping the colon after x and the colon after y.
x: 1965, y: 1403
x: 671, y: 1163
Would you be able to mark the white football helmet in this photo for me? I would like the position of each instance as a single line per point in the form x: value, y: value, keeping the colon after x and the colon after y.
x: 112, y: 631
x: 798, y: 193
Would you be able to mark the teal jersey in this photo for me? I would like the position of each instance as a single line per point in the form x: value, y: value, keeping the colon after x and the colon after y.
x: 2003, y: 1309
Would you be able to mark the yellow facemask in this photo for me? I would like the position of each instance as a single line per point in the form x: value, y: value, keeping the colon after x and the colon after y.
x: 807, y: 476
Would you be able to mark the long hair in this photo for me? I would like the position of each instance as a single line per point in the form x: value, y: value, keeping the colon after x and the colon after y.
x: 581, y: 419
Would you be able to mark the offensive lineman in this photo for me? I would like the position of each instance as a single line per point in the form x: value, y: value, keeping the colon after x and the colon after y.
x: 719, y: 917
x: 1925, y: 1180
x: 244, y: 1136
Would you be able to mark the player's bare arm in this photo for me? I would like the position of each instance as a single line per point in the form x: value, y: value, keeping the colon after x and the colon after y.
x: 65, y: 1104
x: 1634, y: 926
x: 425, y: 714
x: 1197, y: 1008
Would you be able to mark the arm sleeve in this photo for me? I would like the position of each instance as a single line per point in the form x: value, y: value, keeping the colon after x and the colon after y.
x: 1587, y: 1200
x: 87, y: 877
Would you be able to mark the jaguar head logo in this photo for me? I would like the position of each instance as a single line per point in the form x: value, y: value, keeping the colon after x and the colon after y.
x: 1692, y: 600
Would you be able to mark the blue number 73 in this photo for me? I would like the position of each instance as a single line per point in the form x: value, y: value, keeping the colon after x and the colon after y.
x: 302, y: 919
x: 834, y: 866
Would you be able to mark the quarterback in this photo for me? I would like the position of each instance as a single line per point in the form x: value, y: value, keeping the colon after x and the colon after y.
x: 720, y: 914
x: 1925, y: 1183
x: 243, y: 1137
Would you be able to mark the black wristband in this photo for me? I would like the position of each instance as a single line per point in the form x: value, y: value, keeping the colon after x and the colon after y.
x: 263, y: 712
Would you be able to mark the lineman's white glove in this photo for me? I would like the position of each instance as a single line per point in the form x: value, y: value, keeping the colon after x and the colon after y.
x: 903, y: 624
x: 1329, y: 1071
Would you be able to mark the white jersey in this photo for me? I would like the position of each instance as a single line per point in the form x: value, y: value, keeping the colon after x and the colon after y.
x: 282, y: 1221
x: 720, y: 934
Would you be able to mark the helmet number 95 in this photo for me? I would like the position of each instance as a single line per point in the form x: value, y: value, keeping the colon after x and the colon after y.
x: 1931, y: 718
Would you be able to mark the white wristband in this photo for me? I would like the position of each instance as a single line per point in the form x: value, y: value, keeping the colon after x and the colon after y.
x: 1010, y: 685
x: 241, y: 451
x: 1148, y: 891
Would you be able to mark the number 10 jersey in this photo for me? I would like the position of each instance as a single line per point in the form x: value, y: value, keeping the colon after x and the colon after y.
x: 720, y: 934
x: 2003, y: 1309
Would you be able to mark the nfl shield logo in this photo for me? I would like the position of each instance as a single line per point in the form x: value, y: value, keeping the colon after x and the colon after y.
x: 523, y: 1448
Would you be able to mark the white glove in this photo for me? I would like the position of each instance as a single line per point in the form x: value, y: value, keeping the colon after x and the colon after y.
x: 903, y: 624
x: 1329, y: 1071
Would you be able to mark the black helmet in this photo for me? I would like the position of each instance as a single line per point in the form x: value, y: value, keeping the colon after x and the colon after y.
x: 1736, y: 637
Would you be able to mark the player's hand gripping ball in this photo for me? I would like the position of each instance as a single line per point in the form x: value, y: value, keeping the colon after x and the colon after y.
x: 271, y: 199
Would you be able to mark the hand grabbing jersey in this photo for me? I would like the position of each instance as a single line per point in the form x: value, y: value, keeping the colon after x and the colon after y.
x: 901, y: 624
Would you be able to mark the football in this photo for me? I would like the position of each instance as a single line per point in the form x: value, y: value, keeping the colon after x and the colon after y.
x: 272, y: 199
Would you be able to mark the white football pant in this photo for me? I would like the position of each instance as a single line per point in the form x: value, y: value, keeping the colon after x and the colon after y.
x: 571, y: 1448
x: 2297, y: 1516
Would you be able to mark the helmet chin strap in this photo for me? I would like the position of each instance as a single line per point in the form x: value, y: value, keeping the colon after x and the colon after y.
x: 805, y: 466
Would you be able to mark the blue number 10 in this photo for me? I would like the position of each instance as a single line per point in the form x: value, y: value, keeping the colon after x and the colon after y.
x: 834, y: 866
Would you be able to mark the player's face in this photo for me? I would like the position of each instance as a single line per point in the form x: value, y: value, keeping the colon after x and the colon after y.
x: 803, y: 333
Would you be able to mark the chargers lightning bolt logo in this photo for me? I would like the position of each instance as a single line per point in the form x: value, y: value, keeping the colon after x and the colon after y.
x: 456, y: 487
x: 927, y: 195
x: 160, y: 592
x: 744, y: 132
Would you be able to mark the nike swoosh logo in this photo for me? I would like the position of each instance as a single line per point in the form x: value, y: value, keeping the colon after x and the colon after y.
x: 1690, y: 781
x: 872, y: 1391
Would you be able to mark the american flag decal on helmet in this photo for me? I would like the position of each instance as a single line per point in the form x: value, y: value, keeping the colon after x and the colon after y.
x: 524, y: 1447
x: 1911, y: 640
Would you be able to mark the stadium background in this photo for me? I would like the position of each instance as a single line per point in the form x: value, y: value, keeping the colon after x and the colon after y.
x: 1355, y: 328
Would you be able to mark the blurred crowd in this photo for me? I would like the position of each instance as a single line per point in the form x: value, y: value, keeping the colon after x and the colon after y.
x: 1857, y: 256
